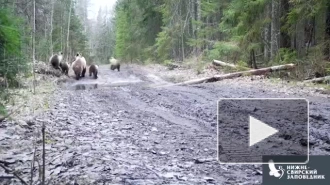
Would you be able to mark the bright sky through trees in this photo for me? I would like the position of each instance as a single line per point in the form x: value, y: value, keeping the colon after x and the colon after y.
x: 96, y: 4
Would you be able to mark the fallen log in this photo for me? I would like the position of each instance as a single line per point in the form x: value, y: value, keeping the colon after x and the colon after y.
x: 321, y: 79
x: 261, y: 71
x: 220, y: 63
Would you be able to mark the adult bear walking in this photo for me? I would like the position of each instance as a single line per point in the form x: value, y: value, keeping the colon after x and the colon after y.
x: 79, y: 67
x: 55, y: 60
x: 114, y: 64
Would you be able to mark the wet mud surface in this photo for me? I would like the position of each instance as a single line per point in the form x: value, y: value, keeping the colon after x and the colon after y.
x: 289, y: 117
x: 124, y: 129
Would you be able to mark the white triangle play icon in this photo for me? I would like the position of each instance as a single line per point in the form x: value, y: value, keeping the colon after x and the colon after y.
x: 259, y: 131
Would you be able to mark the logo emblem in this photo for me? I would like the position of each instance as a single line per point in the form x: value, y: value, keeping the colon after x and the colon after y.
x: 275, y: 172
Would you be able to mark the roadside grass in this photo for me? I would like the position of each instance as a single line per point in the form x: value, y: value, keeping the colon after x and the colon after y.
x: 32, y: 103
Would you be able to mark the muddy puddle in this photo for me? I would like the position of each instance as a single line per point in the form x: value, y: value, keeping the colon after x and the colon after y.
x: 107, y: 80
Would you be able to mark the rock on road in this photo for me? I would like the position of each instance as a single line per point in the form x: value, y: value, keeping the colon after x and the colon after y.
x: 122, y: 129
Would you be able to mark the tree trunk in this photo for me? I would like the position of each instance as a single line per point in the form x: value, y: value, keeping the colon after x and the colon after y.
x: 62, y: 38
x: 300, y: 37
x: 320, y: 26
x: 68, y: 31
x: 310, y: 34
x: 275, y: 28
x: 34, y: 47
x: 182, y: 46
x: 62, y: 30
x: 253, y: 60
x: 193, y: 19
x: 267, y: 33
x: 327, y: 32
x: 51, y: 29
x: 284, y: 37
x: 199, y: 19
x: 207, y: 37
x: 45, y: 30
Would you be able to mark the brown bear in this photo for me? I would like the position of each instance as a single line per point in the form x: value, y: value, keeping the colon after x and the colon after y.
x: 79, y: 67
x: 55, y: 60
x: 114, y: 64
x: 65, y: 68
x: 93, y: 69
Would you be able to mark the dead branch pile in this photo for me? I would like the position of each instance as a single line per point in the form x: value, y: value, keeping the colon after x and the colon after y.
x: 45, y: 68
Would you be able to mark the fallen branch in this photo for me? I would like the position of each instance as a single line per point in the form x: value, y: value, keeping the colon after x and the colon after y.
x: 7, y: 163
x: 151, y: 170
x: 7, y: 177
x: 321, y: 79
x: 33, y: 161
x: 43, y: 153
x: 39, y: 168
x: 261, y: 71
x: 8, y: 170
x: 12, y: 112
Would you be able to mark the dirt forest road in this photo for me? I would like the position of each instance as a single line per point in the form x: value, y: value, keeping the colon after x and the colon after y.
x: 123, y: 129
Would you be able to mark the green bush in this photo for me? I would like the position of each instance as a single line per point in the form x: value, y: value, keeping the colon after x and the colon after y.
x: 224, y: 50
x: 12, y: 62
x: 167, y: 62
x: 285, y: 56
x: 163, y: 45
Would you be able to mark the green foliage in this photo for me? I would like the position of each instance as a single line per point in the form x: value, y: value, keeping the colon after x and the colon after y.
x: 327, y: 70
x: 16, y: 39
x: 303, y: 10
x: 224, y: 50
x: 78, y: 39
x: 148, y: 30
x: 163, y: 45
x: 167, y: 62
x: 243, y: 64
x: 137, y: 24
x: 149, y: 53
x: 122, y: 36
x: 242, y: 22
x: 229, y: 30
x: 104, y: 36
x: 286, y: 56
x: 77, y: 33
x: 11, y: 61
x: 2, y: 110
x: 10, y: 33
x: 43, y: 48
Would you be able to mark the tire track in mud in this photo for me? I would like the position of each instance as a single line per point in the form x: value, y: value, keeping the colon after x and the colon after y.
x: 176, y: 127
x: 160, y: 165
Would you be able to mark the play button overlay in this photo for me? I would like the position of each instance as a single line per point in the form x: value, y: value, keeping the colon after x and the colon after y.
x: 249, y: 129
x: 259, y: 131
